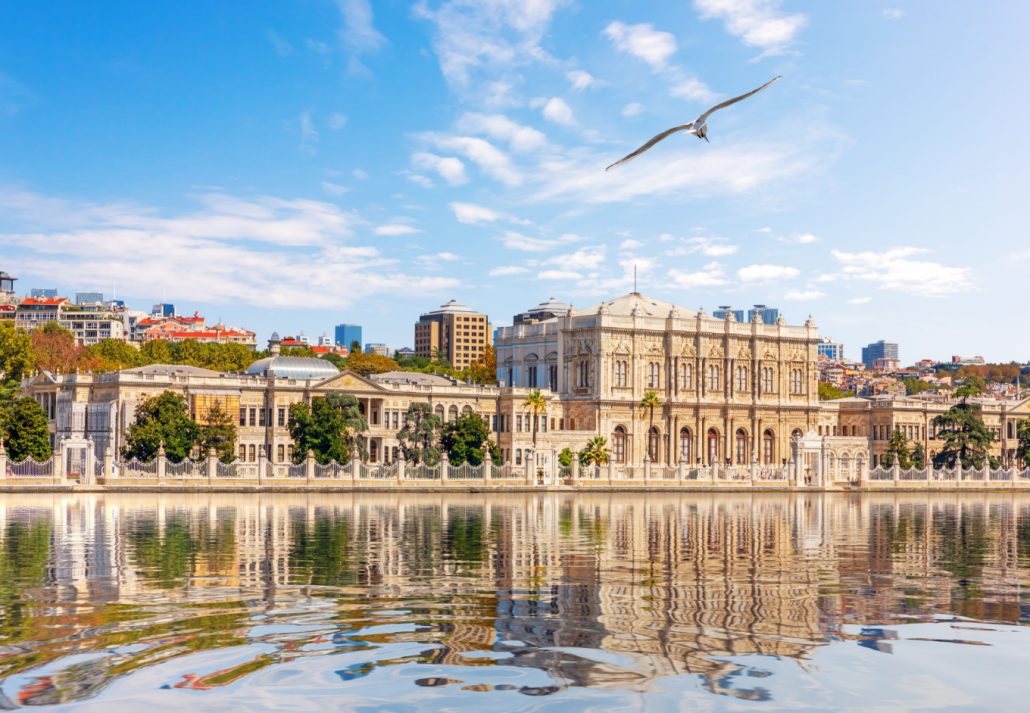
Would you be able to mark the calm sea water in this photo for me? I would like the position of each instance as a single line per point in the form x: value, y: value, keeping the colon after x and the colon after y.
x: 515, y: 603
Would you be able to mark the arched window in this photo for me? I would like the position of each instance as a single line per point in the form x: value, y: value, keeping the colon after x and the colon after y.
x: 452, y: 414
x: 796, y: 434
x: 713, y: 377
x: 439, y: 412
x: 797, y: 381
x: 741, y: 447
x: 583, y: 373
x: 654, y: 374
x: 768, y: 380
x: 686, y: 377
x: 653, y: 444
x: 741, y: 378
x: 619, y: 445
x: 620, y: 374
x: 768, y: 442
x: 713, y: 447
x: 686, y: 443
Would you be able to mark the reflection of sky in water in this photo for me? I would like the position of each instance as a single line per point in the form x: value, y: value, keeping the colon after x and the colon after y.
x: 493, y: 603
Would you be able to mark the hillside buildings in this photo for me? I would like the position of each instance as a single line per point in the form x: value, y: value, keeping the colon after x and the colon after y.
x: 453, y: 333
x: 881, y: 355
x: 829, y: 349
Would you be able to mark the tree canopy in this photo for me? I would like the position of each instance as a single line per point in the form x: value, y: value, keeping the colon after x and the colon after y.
x: 330, y: 427
x: 1023, y: 439
x: 966, y: 438
x: 595, y: 452
x: 420, y: 435
x: 463, y: 440
x: 829, y: 392
x: 16, y: 356
x: 162, y: 419
x: 219, y: 433
x: 897, y: 451
x: 24, y: 429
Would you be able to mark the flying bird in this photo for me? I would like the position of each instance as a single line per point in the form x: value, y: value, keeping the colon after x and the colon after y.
x: 698, y: 127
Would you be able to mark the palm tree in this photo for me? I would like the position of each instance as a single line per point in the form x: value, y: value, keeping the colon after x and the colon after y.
x: 536, y: 404
x: 595, y: 452
x: 650, y: 401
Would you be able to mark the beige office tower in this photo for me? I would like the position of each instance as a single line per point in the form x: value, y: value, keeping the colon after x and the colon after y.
x: 453, y: 333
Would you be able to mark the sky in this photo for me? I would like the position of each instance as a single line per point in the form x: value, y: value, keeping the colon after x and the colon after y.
x: 291, y: 166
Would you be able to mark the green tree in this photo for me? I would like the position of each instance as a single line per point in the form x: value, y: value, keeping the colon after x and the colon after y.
x: 536, y: 404
x: 919, y: 456
x: 650, y: 401
x: 915, y: 386
x: 420, y: 436
x: 829, y: 392
x: 116, y: 354
x: 355, y: 347
x: 966, y: 438
x: 463, y: 440
x: 16, y: 358
x: 595, y: 452
x: 219, y: 433
x: 23, y: 427
x: 972, y: 385
x: 366, y: 364
x: 157, y: 352
x: 897, y: 451
x: 162, y: 419
x: 566, y: 457
x: 484, y: 369
x: 330, y: 427
x: 1023, y: 438
x: 55, y: 349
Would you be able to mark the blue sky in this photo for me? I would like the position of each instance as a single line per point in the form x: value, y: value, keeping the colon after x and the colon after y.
x: 289, y: 166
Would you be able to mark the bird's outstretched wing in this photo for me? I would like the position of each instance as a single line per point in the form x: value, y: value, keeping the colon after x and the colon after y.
x: 704, y: 117
x: 665, y: 134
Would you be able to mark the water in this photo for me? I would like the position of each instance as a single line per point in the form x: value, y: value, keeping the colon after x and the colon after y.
x: 515, y: 603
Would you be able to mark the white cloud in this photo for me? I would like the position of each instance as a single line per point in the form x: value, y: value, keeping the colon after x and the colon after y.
x: 518, y: 241
x: 555, y: 109
x: 505, y: 270
x: 803, y: 295
x: 263, y: 251
x: 474, y: 39
x: 643, y: 42
x: 711, y: 275
x: 758, y: 23
x: 470, y: 213
x: 895, y: 270
x: 358, y: 34
x: 337, y: 121
x: 893, y: 13
x: 393, y: 229
x: 308, y: 133
x: 497, y: 126
x: 860, y: 300
x: 709, y: 247
x: 334, y: 189
x: 693, y: 89
x: 447, y: 256
x: 420, y: 180
x: 805, y: 239
x: 490, y: 159
x: 767, y: 273
x: 580, y: 79
x: 633, y: 109
x: 583, y: 259
x: 566, y: 275
x: 630, y: 244
x: 448, y: 168
x: 359, y: 174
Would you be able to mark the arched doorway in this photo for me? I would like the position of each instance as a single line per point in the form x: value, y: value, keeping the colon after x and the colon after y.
x: 740, y: 454
x: 653, y: 444
x: 768, y: 447
x: 619, y: 445
x: 713, y: 447
x: 686, y: 445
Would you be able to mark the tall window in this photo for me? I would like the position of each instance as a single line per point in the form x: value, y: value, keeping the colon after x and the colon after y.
x: 531, y: 376
x: 686, y: 441
x: 713, y: 377
x: 654, y: 372
x: 741, y: 378
x: 767, y: 447
x: 686, y: 377
x: 282, y: 416
x: 553, y: 374
x: 797, y: 380
x: 713, y: 447
x: 653, y: 444
x: 767, y: 380
x: 741, y: 447
x: 619, y: 445
x: 584, y: 374
x: 620, y: 374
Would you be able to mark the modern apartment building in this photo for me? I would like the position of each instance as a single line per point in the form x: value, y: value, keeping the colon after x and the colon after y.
x: 347, y: 334
x: 769, y: 315
x: 90, y: 323
x: 834, y: 351
x: 885, y: 352
x: 454, y: 333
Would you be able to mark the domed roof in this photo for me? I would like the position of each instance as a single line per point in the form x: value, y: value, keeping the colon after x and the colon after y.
x: 290, y: 367
x: 644, y: 306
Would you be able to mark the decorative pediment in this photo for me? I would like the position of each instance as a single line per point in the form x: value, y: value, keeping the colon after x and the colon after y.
x: 715, y: 352
x: 622, y: 349
x: 744, y: 353
x: 768, y: 355
x: 688, y: 351
x: 349, y: 381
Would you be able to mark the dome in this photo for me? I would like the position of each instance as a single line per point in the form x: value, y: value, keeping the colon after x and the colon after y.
x: 289, y: 367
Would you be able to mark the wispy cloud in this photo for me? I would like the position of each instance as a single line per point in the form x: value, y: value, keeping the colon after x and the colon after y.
x: 281, y: 46
x: 358, y: 33
x: 589, y: 258
x: 506, y: 270
x: 896, y: 270
x: 711, y: 275
x: 581, y: 80
x: 394, y: 229
x: 803, y: 295
x: 767, y: 273
x: 758, y: 23
x: 308, y: 134
x: 893, y: 13
x: 642, y: 41
x: 448, y: 168
x: 514, y: 240
x: 555, y: 110
x: 633, y: 109
x: 334, y: 189
x: 488, y: 158
x: 498, y: 126
x: 337, y: 121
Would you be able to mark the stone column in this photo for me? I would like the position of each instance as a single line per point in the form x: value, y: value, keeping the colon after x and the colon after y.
x: 574, y: 470
x: 445, y: 465
x: 488, y: 463
x: 647, y: 468
x: 611, y: 471
x: 553, y: 469
x: 162, y: 462
x: 262, y: 463
x: 212, y: 464
x: 896, y: 472
x: 109, y: 473
x: 355, y: 467
x: 400, y: 466
x: 530, y: 466
x: 309, y: 466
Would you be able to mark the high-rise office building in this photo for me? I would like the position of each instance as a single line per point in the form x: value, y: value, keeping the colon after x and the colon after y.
x: 163, y: 309
x: 89, y: 298
x: 347, y: 334
x: 881, y: 350
x: 377, y: 348
x: 454, y: 333
x: 769, y: 315
x: 834, y: 351
x: 44, y: 292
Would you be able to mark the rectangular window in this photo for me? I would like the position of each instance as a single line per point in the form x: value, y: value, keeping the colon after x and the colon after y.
x: 518, y: 423
x: 253, y: 416
x: 261, y: 417
x: 243, y: 418
x: 280, y: 453
x: 282, y: 416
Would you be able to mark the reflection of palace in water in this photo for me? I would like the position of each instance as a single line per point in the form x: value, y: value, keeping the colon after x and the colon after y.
x: 664, y: 585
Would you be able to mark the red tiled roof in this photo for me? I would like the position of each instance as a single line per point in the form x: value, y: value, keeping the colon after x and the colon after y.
x: 45, y: 301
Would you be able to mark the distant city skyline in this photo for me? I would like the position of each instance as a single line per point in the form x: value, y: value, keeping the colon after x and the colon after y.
x: 290, y: 166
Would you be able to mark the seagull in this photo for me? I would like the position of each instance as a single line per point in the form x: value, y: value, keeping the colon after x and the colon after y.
x: 698, y: 127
